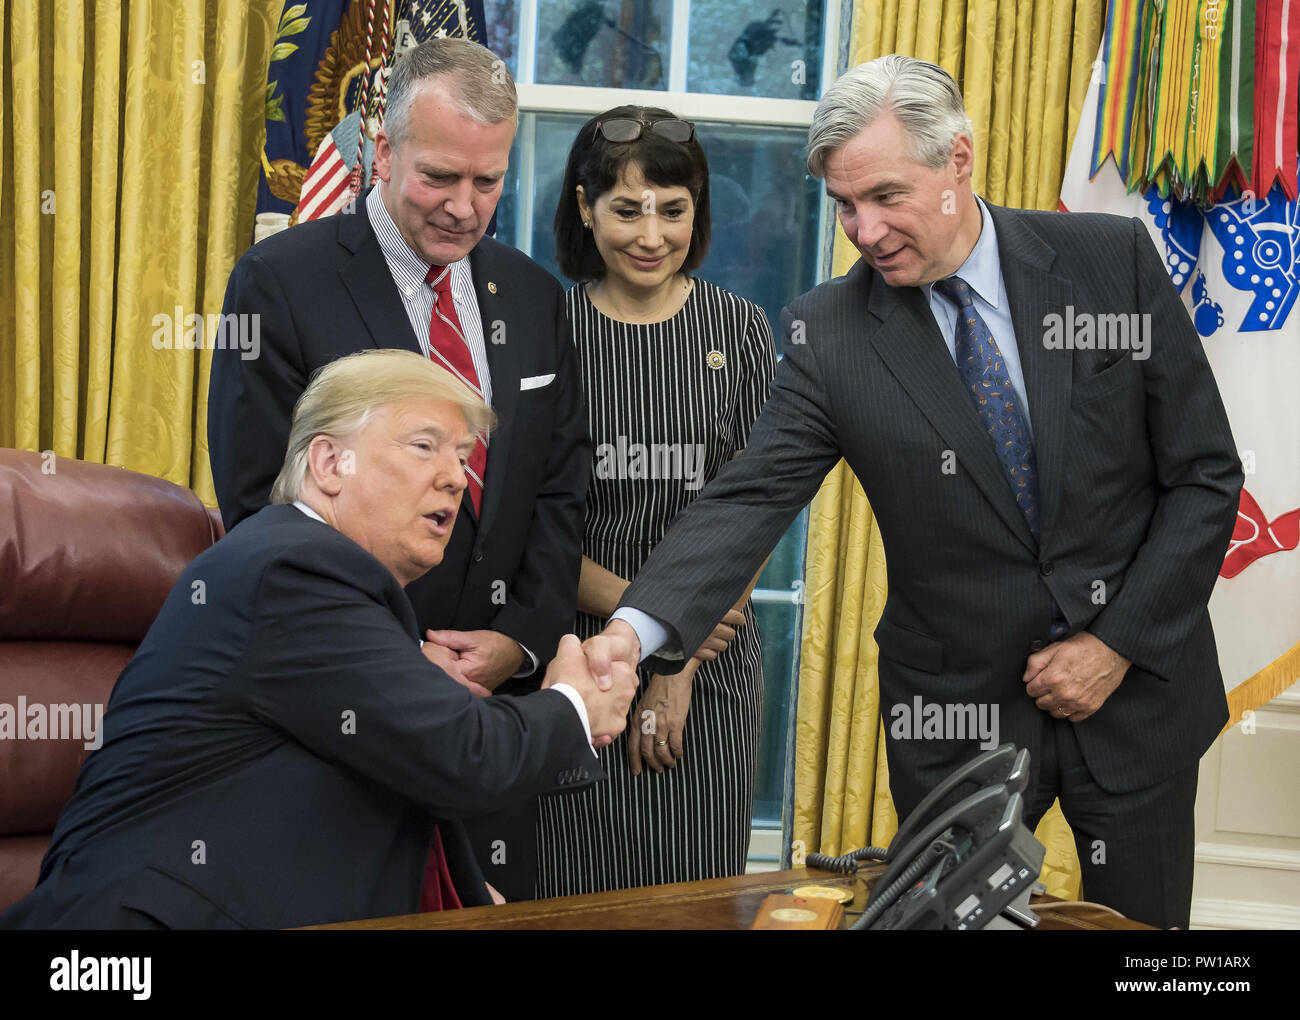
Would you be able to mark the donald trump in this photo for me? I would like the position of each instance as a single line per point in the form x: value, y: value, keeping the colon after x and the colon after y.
x: 279, y: 752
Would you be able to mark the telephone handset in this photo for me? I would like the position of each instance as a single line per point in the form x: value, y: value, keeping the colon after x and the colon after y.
x: 1003, y: 764
x: 965, y: 866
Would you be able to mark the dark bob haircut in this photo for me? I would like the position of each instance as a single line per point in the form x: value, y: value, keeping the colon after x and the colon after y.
x: 597, y: 164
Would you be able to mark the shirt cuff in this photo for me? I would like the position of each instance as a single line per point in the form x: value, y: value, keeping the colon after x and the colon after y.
x: 579, y: 706
x: 652, y: 634
x: 526, y: 668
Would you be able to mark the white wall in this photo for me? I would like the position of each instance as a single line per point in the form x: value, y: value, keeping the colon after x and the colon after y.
x: 1248, y: 823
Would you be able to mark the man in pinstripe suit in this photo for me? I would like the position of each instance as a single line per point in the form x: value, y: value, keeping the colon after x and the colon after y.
x: 1054, y: 511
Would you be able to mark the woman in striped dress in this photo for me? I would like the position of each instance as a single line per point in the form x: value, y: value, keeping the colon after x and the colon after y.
x: 675, y: 371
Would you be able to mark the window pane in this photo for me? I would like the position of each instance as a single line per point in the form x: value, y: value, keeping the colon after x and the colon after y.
x: 765, y: 213
x: 779, y: 623
x: 502, y: 18
x: 738, y: 49
x: 554, y: 134
x: 503, y: 221
x: 613, y: 44
x: 786, y: 565
x: 781, y: 626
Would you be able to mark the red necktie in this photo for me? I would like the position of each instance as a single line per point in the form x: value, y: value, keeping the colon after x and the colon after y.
x: 448, y: 348
x: 438, y: 892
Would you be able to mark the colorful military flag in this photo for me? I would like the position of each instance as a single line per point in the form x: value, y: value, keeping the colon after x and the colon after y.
x: 1199, y: 96
x: 1277, y: 64
x: 1237, y: 265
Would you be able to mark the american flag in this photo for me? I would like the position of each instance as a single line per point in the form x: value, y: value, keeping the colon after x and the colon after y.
x: 326, y: 188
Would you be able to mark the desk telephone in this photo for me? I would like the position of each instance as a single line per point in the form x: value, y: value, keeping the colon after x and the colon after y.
x: 972, y: 865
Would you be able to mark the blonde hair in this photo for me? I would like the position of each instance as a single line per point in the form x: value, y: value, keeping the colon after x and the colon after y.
x: 345, y: 394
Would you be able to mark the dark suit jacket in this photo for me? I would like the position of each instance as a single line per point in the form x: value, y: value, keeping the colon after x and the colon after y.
x: 279, y: 750
x: 323, y: 290
x: 1138, y: 480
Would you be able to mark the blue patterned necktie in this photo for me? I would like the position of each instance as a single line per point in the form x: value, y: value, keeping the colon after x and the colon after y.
x: 979, y: 363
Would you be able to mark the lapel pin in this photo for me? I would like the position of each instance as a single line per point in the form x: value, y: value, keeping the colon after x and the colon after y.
x: 492, y: 287
x: 716, y: 360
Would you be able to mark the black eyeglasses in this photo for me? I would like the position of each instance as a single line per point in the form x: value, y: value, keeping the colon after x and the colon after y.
x: 625, y: 129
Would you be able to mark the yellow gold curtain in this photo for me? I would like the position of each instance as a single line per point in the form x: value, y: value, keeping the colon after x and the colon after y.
x: 128, y: 180
x: 1023, y: 67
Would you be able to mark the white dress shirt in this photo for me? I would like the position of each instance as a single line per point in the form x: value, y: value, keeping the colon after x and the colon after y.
x: 409, y: 272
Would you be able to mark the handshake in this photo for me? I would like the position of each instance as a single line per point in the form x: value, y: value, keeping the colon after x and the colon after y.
x: 603, y: 671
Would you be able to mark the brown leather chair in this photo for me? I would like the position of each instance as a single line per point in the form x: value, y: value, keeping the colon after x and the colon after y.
x: 87, y: 555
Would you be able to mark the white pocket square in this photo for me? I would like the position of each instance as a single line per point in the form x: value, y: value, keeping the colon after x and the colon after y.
x: 534, y: 382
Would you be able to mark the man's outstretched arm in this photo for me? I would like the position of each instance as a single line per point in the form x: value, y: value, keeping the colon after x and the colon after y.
x: 714, y: 547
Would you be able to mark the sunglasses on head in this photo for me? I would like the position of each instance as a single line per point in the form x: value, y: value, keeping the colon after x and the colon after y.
x: 625, y: 129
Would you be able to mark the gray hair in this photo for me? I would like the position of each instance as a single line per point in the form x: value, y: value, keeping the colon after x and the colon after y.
x: 923, y: 96
x: 476, y: 79
x: 345, y: 394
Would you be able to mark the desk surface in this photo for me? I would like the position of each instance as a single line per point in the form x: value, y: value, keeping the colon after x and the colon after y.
x: 716, y: 904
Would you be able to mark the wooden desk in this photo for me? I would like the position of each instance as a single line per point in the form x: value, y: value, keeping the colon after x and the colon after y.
x: 721, y: 903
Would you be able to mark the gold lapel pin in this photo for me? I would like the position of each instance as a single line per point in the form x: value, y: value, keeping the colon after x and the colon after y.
x: 716, y: 360
x: 492, y: 287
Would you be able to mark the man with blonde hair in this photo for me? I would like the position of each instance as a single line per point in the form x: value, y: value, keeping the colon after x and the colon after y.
x: 279, y: 752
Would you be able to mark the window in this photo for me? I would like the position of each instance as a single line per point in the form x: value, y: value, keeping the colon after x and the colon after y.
x: 749, y: 79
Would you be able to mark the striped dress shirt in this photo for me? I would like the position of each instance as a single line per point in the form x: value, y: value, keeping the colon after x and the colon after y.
x: 409, y: 272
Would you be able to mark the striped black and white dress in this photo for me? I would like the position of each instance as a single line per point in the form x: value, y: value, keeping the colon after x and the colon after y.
x: 668, y: 403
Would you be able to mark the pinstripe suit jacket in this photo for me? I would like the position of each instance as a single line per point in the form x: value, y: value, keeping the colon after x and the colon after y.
x: 1138, y: 479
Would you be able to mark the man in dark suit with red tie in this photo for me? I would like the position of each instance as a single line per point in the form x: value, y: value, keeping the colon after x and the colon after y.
x: 410, y: 268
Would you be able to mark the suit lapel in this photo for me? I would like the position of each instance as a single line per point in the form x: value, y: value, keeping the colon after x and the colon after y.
x: 909, y: 342
x: 370, y: 284
x: 1034, y: 293
x: 494, y: 304
x: 388, y: 589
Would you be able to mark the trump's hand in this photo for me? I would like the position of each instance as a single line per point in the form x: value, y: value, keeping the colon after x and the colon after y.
x: 616, y: 643
x: 606, y: 706
x: 1071, y: 679
x: 723, y: 634
x: 449, y: 662
x: 484, y: 656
